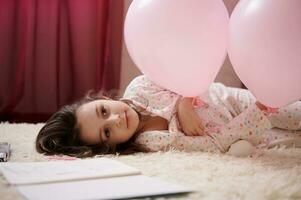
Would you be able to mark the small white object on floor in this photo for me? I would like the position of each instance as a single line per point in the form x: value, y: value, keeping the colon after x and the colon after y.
x: 241, y: 148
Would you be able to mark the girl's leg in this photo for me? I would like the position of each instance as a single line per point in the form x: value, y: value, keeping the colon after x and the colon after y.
x: 278, y: 137
x: 288, y: 117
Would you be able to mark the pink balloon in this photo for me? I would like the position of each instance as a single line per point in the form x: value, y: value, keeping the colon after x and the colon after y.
x: 265, y: 49
x: 179, y: 44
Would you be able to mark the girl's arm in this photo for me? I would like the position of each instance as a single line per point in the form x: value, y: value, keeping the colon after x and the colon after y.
x: 190, y: 122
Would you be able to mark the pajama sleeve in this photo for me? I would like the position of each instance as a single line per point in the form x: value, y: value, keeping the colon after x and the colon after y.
x: 203, y: 143
x: 152, y: 98
x: 152, y: 141
x: 250, y: 125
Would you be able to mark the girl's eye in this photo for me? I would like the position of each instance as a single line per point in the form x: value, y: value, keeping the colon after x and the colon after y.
x: 104, y: 111
x: 107, y: 132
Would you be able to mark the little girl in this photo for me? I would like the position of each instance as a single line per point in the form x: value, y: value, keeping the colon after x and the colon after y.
x: 151, y: 118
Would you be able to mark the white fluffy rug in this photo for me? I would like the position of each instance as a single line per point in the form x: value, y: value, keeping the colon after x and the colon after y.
x: 275, y: 175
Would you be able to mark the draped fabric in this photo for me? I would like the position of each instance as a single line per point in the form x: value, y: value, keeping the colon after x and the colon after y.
x: 53, y: 51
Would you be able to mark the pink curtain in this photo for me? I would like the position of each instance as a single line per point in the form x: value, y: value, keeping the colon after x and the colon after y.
x: 53, y: 51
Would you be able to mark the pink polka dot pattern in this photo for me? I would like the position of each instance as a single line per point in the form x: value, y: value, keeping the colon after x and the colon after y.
x: 229, y: 115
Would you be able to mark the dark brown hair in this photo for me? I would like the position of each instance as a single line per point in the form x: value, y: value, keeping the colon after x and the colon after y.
x: 60, y: 134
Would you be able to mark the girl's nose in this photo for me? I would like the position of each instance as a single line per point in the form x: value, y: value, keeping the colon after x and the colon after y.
x: 115, y: 119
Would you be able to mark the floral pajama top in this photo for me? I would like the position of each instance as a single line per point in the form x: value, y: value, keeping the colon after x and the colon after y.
x: 228, y: 114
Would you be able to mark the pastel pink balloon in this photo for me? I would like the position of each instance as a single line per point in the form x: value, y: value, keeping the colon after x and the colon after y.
x: 179, y: 44
x: 265, y: 49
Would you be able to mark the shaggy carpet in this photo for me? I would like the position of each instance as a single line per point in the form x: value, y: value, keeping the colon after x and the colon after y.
x: 274, y: 175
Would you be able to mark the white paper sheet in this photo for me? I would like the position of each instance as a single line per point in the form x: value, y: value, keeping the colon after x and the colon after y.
x: 54, y: 171
x: 107, y: 188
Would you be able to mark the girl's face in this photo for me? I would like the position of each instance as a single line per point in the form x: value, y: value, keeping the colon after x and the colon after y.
x: 106, y: 121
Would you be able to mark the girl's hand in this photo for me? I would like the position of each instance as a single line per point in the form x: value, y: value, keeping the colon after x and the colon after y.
x: 189, y: 120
